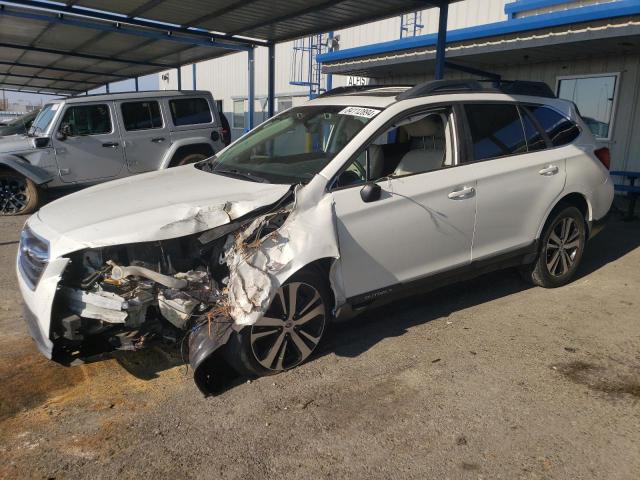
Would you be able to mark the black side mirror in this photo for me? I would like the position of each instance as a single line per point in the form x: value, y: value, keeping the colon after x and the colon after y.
x: 64, y: 132
x: 371, y: 192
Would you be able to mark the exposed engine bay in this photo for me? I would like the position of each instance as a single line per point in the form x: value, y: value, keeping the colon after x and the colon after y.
x: 128, y: 297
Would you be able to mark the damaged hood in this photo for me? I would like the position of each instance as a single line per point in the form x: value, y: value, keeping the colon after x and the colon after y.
x: 153, y: 206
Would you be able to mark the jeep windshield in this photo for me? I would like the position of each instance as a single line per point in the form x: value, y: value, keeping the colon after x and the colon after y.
x: 43, y: 120
x: 293, y: 146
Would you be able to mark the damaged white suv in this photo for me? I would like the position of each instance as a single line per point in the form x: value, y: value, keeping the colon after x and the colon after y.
x: 356, y: 198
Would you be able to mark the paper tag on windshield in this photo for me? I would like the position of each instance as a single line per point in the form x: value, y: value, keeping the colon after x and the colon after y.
x: 360, y: 112
x: 54, y: 107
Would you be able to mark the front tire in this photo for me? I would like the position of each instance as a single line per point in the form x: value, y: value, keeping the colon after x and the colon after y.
x: 289, y: 332
x: 18, y: 194
x: 561, y: 248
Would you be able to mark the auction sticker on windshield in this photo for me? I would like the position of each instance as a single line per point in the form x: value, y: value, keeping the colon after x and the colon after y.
x: 359, y: 112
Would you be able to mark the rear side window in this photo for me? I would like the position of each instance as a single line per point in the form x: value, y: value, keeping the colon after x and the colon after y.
x: 141, y: 115
x: 190, y: 111
x: 88, y: 120
x: 496, y: 130
x: 559, y: 129
x: 535, y: 139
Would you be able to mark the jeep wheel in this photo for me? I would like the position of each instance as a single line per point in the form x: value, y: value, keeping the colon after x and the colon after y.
x: 187, y: 159
x: 18, y: 194
x: 289, y: 332
x: 561, y: 248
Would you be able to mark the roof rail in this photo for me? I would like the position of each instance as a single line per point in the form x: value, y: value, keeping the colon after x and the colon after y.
x: 360, y: 88
x: 516, y: 87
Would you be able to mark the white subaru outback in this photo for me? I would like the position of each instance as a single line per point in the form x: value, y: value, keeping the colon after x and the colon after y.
x: 354, y: 199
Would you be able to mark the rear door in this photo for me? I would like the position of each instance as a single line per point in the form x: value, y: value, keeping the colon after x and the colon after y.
x: 518, y: 176
x: 92, y: 149
x: 145, y: 135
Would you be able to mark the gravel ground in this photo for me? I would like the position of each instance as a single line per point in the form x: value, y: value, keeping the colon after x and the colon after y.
x: 485, y: 379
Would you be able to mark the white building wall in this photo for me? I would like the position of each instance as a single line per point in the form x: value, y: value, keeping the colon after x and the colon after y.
x: 227, y: 77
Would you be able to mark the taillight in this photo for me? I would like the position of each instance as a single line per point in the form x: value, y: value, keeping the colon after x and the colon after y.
x: 604, y: 155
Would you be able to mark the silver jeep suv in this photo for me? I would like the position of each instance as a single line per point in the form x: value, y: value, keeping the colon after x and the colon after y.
x: 91, y: 139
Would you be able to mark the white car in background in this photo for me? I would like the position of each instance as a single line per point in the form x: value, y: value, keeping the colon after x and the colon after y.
x: 358, y: 197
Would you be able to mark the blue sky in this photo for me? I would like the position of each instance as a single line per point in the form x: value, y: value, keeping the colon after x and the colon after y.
x: 150, y: 82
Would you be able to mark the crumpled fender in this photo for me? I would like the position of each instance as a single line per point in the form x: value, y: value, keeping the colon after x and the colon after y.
x: 36, y: 174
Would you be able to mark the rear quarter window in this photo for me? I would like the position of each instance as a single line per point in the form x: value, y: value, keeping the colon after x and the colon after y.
x: 190, y: 111
x: 558, y: 128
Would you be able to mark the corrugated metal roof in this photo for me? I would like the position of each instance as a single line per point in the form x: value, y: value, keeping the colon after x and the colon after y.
x: 72, y: 46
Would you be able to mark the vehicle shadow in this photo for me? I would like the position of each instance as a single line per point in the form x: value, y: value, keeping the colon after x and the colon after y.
x: 354, y: 337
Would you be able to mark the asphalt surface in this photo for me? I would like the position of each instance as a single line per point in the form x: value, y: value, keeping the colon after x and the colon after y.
x: 485, y: 379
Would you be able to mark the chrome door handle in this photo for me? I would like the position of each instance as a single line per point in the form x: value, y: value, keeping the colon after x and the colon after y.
x: 549, y: 170
x: 110, y: 144
x: 158, y: 139
x: 465, y: 192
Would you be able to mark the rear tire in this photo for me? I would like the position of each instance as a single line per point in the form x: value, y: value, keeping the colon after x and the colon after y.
x: 561, y: 248
x: 281, y: 339
x: 187, y: 159
x: 18, y: 194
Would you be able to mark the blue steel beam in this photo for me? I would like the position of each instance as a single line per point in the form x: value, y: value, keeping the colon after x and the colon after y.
x: 193, y: 74
x: 82, y: 55
x: 44, y: 91
x: 60, y: 69
x: 119, y: 28
x: 271, y: 80
x: 441, y: 44
x: 132, y: 20
x: 252, y: 85
x: 40, y: 77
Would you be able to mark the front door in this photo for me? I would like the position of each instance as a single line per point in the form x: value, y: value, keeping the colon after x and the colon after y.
x: 422, y: 221
x: 88, y: 145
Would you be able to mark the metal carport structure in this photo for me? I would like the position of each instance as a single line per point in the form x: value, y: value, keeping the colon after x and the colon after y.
x: 69, y: 47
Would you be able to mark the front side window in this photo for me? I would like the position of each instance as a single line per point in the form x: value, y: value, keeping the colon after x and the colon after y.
x: 595, y: 98
x: 87, y: 120
x: 141, y: 115
x: 292, y: 147
x: 496, y: 130
x: 414, y: 144
x: 190, y: 111
x: 558, y: 128
x: 238, y: 114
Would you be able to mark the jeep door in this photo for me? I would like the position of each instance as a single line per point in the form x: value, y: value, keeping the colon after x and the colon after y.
x: 519, y: 173
x: 87, y: 143
x: 145, y: 134
x: 422, y: 220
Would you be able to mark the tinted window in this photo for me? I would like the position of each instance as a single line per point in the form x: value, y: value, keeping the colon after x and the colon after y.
x: 560, y: 130
x: 496, y: 130
x: 535, y: 139
x: 141, y: 115
x: 88, y: 120
x: 190, y: 111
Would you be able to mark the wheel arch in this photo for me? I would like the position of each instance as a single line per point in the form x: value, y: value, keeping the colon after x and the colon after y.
x: 181, y: 150
x: 14, y: 163
x: 575, y: 199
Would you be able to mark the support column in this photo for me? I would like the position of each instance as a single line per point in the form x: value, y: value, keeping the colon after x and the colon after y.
x: 107, y: 87
x: 252, y: 86
x: 137, y: 86
x: 271, y: 79
x: 179, y: 78
x: 193, y: 73
x: 442, y: 40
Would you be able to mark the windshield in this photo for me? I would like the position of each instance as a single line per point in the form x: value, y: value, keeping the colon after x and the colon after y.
x: 292, y: 147
x: 42, y: 121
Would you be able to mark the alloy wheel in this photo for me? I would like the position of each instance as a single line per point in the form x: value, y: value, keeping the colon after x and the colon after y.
x: 562, y: 247
x: 13, y: 195
x: 290, y: 329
